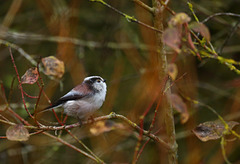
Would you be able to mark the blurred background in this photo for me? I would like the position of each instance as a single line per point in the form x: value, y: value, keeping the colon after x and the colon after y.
x: 92, y: 39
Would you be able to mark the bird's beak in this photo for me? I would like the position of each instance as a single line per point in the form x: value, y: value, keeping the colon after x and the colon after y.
x: 104, y: 80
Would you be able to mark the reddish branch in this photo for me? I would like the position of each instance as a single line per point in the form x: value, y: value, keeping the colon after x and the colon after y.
x: 20, y: 83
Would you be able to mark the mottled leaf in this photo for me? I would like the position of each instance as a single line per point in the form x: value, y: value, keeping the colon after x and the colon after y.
x: 104, y: 126
x: 180, y: 106
x: 53, y: 66
x: 212, y: 130
x: 17, y: 133
x: 202, y: 29
x: 30, y: 76
x: 172, y: 71
x: 171, y: 37
x: 179, y: 19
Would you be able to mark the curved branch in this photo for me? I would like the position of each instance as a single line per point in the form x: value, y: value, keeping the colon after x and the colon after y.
x: 101, y: 118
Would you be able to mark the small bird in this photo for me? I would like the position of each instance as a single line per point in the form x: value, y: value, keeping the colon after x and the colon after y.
x: 84, y: 99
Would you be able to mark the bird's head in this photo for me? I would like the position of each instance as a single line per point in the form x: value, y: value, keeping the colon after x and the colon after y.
x: 96, y: 82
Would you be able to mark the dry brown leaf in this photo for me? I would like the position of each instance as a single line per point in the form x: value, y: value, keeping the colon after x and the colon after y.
x: 53, y: 66
x: 180, y: 106
x: 202, y: 29
x: 212, y: 130
x: 30, y: 76
x: 171, y: 37
x: 172, y: 71
x: 17, y: 133
x: 104, y: 126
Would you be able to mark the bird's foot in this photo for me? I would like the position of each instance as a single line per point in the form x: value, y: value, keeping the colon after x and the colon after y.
x: 80, y: 122
x: 91, y: 119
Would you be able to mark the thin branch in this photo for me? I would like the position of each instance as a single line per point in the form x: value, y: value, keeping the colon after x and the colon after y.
x: 32, y: 97
x: 233, y: 30
x: 20, y: 83
x: 20, y: 50
x: 140, y: 137
x: 220, y: 14
x: 121, y: 117
x: 144, y: 6
x: 164, y: 4
x: 71, y: 146
x: 101, y: 118
x: 83, y: 43
x: 129, y: 18
x: 89, y: 150
x: 223, y: 150
x: 45, y: 133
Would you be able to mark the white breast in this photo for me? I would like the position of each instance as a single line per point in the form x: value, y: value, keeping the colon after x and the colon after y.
x: 84, y: 107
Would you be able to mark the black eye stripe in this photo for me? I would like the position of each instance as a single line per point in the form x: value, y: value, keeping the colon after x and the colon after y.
x: 95, y: 79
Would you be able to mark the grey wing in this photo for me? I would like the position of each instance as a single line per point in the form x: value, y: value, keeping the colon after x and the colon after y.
x: 72, y: 95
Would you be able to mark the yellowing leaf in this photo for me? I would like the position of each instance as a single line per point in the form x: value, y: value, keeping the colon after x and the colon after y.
x: 104, y: 126
x: 179, y: 19
x: 180, y: 106
x: 53, y: 66
x: 30, y: 76
x: 212, y: 130
x: 171, y: 37
x: 172, y: 71
x: 202, y: 29
x: 17, y: 133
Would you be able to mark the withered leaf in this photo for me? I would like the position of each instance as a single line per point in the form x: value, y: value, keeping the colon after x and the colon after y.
x: 104, y: 126
x: 179, y: 19
x: 212, y: 130
x: 17, y: 133
x: 180, y: 106
x: 171, y: 37
x: 30, y: 76
x: 202, y: 29
x: 53, y: 66
x: 172, y: 71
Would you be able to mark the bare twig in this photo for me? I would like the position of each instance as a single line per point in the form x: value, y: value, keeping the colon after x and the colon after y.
x: 20, y: 83
x: 137, y: 147
x: 164, y: 4
x: 233, y: 30
x: 101, y: 118
x: 220, y: 14
x: 83, y: 43
x: 71, y: 146
x: 20, y: 50
x: 129, y: 18
x: 89, y: 150
x: 144, y: 6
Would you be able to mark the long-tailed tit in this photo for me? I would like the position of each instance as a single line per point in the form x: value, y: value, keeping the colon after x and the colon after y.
x: 84, y: 99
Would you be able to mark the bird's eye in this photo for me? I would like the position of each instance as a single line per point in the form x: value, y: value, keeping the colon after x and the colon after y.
x: 98, y: 81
